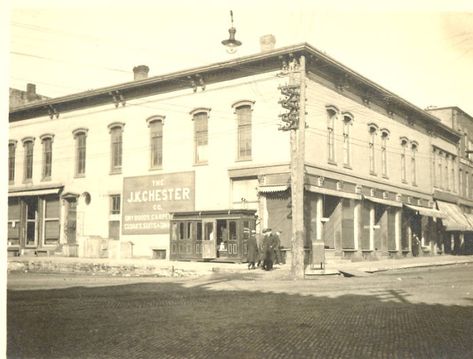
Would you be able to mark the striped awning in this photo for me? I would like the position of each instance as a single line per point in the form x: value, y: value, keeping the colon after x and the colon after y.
x: 273, y: 188
x: 424, y: 211
x: 454, y: 219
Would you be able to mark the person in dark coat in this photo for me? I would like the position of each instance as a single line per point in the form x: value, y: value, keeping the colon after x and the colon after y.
x: 276, y: 247
x: 268, y: 250
x: 252, y: 250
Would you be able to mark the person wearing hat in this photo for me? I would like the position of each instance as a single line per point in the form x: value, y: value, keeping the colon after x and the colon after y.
x: 252, y: 247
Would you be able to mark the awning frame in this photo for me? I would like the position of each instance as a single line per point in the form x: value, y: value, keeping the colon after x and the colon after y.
x: 332, y: 192
x: 423, y: 211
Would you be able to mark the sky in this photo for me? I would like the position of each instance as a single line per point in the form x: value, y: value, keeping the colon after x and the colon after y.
x: 420, y: 51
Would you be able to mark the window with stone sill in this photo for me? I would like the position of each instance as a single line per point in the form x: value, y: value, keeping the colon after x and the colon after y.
x: 80, y: 138
x: 28, y: 145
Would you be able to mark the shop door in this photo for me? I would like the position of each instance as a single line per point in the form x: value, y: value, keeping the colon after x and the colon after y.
x: 233, y: 247
x: 71, y: 220
x: 209, y: 244
x: 31, y: 216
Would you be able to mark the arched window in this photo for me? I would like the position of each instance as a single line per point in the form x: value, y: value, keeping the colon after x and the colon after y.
x: 372, y: 130
x: 155, y: 125
x: 347, y: 123
x: 80, y: 138
x: 47, y: 142
x: 200, y: 117
x: 28, y: 145
x: 116, y: 139
x: 11, y: 160
x: 404, y: 144
x: 384, y: 152
x: 332, y: 112
x: 414, y: 148
x: 243, y: 110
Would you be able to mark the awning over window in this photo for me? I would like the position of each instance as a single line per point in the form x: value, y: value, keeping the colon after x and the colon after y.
x: 454, y: 219
x: 271, y: 189
x: 428, y: 212
x: 332, y: 192
x: 34, y: 191
x: 386, y: 202
x: 469, y: 217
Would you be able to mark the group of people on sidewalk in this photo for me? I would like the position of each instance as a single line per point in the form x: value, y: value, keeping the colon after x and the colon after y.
x: 264, y: 251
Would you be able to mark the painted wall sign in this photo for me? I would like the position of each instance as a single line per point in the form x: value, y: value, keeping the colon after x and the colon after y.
x: 148, y: 201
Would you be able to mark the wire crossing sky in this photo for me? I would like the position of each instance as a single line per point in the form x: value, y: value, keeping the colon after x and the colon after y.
x: 422, y: 53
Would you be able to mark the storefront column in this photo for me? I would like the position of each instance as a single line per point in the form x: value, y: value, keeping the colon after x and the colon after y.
x: 462, y: 244
x: 319, y: 208
x: 372, y: 229
x: 397, y: 229
x: 63, y: 221
x: 356, y: 224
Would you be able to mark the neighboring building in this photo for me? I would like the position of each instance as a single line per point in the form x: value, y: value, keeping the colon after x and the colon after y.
x: 20, y: 97
x: 459, y: 232
x: 94, y: 171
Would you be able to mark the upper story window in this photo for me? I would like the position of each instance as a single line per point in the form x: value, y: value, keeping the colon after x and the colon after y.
x: 414, y: 148
x: 384, y: 152
x: 243, y: 110
x: 28, y: 145
x: 115, y: 204
x: 447, y: 172
x: 467, y: 185
x: 80, y: 139
x: 332, y: 113
x: 47, y: 142
x: 404, y: 144
x: 155, y: 125
x: 452, y: 174
x: 11, y: 161
x: 460, y: 177
x: 200, y: 117
x: 116, y: 140
x: 440, y: 171
x: 372, y: 130
x: 347, y: 123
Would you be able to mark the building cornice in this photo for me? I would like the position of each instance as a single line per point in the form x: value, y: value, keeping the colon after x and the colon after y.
x: 214, y: 73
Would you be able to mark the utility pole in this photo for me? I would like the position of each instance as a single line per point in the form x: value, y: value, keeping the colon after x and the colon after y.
x: 294, y: 121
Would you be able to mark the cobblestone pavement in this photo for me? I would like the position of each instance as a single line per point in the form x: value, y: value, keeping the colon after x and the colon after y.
x: 423, y: 313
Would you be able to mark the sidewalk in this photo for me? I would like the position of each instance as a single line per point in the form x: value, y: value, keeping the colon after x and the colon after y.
x: 165, y: 268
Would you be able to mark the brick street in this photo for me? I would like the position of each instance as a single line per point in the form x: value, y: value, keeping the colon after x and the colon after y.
x: 415, y: 313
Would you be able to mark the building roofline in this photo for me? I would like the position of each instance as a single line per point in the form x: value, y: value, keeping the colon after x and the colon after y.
x: 231, y: 69
x: 451, y: 108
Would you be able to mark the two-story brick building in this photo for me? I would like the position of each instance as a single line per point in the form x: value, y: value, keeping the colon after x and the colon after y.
x: 113, y: 164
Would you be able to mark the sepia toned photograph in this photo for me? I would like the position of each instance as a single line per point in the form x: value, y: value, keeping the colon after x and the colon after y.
x: 240, y: 180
